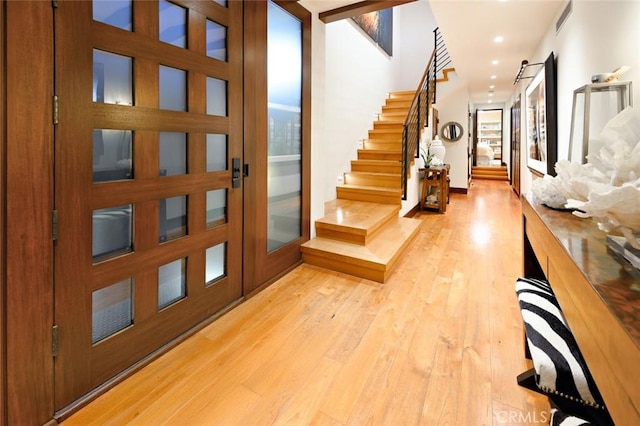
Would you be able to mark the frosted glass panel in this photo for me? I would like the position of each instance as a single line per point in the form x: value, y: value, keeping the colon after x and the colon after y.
x: 172, y: 279
x: 173, y: 89
x: 112, y: 232
x: 173, y: 24
x: 216, y: 96
x: 173, y: 218
x: 173, y: 153
x: 216, y: 263
x: 113, y: 12
x: 216, y: 207
x: 216, y: 152
x: 112, y: 78
x: 111, y: 309
x: 284, y: 89
x: 216, y: 41
x: 112, y: 155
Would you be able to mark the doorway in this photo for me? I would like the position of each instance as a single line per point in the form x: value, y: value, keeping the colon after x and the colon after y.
x: 489, y: 143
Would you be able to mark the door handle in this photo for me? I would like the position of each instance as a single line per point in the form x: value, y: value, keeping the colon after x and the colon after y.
x: 236, y: 172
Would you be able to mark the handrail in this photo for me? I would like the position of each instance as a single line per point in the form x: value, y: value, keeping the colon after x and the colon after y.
x: 418, y: 115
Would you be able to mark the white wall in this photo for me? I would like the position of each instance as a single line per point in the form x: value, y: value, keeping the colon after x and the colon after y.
x: 598, y: 36
x: 452, y: 104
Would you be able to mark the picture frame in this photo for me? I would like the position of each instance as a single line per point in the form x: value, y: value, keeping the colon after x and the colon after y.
x: 541, y: 120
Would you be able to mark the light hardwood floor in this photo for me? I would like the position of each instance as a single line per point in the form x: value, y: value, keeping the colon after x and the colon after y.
x: 439, y: 343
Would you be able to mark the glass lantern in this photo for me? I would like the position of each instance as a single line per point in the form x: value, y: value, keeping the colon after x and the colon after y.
x: 593, y: 106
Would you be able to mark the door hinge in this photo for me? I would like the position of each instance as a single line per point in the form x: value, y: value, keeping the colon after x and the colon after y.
x: 55, y: 109
x: 54, y: 225
x: 54, y: 340
x: 54, y: 4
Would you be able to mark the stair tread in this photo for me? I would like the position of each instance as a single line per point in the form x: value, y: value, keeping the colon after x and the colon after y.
x: 358, y: 216
x: 380, y: 251
x: 374, y: 174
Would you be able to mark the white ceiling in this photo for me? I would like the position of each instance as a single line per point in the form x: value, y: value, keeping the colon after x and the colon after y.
x: 469, y: 27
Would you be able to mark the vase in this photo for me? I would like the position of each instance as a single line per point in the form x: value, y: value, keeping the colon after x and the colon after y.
x: 437, y: 149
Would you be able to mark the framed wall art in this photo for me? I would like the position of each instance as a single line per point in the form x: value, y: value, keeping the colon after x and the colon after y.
x: 541, y: 121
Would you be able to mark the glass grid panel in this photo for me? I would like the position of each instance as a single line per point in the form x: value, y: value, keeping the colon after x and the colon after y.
x: 216, y: 152
x: 112, y: 232
x: 216, y: 263
x: 112, y: 78
x: 173, y: 153
x: 111, y: 309
x: 173, y: 218
x: 172, y: 281
x: 173, y: 24
x: 173, y: 89
x: 216, y: 41
x: 116, y: 13
x: 112, y: 155
x: 216, y: 207
x: 216, y: 97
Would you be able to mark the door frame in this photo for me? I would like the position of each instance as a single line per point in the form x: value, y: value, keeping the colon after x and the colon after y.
x: 27, y: 196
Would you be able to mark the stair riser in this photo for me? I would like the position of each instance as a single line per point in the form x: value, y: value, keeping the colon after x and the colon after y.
x: 370, y: 196
x: 373, y: 180
x: 341, y: 265
x: 388, y: 125
x: 383, y: 145
x: 390, y: 167
x: 395, y: 110
x: 399, y: 103
x: 387, y: 135
x: 377, y: 155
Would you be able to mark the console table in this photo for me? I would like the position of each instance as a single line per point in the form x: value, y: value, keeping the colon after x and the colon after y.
x: 436, y: 178
x: 599, y: 294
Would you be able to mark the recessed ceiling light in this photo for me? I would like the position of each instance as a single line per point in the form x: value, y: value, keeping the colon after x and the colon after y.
x: 493, y: 77
x: 498, y: 39
x: 490, y: 94
x: 495, y: 62
x: 489, y: 101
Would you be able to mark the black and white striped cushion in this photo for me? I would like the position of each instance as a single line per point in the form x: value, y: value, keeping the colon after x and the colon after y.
x: 558, y: 418
x: 561, y: 371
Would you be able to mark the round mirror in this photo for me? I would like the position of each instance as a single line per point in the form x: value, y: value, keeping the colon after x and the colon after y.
x: 451, y: 131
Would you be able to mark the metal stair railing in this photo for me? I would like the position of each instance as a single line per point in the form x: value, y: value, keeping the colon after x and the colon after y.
x: 419, y: 111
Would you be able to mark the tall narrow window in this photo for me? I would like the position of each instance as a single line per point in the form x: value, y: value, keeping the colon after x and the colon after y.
x: 284, y: 93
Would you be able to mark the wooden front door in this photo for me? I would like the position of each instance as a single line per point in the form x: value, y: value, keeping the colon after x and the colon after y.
x: 148, y: 189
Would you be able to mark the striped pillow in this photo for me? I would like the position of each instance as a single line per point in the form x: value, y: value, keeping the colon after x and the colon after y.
x: 561, y: 371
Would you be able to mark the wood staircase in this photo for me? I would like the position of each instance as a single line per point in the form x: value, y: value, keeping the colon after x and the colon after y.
x: 489, y: 172
x: 361, y: 233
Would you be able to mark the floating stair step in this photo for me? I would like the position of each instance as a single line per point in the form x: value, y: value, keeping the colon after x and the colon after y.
x: 380, y: 154
x: 374, y: 261
x: 386, y: 180
x: 394, y: 109
x: 393, y: 116
x: 355, y: 222
x: 381, y: 144
x: 397, y: 126
x: 372, y: 194
x: 382, y: 166
x: 406, y: 94
x: 399, y: 102
x: 392, y: 134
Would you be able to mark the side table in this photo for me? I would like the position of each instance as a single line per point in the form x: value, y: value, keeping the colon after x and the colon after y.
x: 435, y: 188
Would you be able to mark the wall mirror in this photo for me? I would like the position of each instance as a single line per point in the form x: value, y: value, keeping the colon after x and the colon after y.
x: 451, y: 131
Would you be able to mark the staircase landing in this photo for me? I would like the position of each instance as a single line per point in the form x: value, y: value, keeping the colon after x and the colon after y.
x: 367, y: 241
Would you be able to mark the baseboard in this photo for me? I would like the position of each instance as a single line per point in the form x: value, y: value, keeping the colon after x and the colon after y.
x: 458, y: 190
x: 414, y: 211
